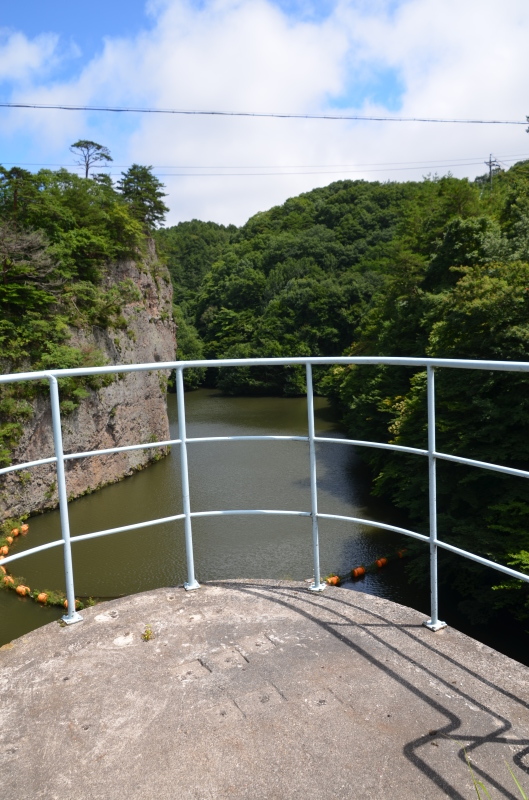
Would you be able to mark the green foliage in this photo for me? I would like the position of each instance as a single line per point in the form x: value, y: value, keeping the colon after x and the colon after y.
x: 10, y: 433
x: 190, y: 348
x: 73, y: 390
x: 57, y: 234
x: 142, y: 192
x: 190, y: 249
x: 148, y: 634
x: 90, y: 154
x: 469, y: 298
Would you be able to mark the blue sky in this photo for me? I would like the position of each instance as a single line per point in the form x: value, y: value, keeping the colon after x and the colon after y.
x: 85, y: 25
x: 382, y: 57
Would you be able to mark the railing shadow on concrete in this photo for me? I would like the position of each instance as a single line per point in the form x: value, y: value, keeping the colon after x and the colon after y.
x: 493, y: 707
x: 431, y: 453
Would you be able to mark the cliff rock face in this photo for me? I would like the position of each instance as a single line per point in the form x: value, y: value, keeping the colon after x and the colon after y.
x: 131, y: 410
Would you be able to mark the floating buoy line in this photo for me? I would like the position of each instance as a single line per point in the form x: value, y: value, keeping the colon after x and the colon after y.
x: 16, y: 584
x: 357, y: 573
x: 9, y: 536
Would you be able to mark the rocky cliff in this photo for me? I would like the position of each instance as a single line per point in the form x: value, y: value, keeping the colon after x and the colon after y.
x: 130, y: 410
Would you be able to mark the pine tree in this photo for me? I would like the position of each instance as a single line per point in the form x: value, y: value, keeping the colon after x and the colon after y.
x: 143, y: 193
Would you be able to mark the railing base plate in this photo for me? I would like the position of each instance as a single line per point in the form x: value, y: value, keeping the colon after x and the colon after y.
x: 434, y: 626
x: 76, y: 617
x: 190, y: 587
x: 316, y: 587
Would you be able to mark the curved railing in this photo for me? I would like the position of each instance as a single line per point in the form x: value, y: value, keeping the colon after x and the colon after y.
x: 431, y: 453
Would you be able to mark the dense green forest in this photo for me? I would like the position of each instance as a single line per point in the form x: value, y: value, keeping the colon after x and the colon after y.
x: 438, y: 268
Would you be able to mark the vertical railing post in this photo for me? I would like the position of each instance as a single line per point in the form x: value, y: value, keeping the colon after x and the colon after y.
x: 434, y: 623
x: 317, y: 585
x: 192, y: 582
x: 72, y: 615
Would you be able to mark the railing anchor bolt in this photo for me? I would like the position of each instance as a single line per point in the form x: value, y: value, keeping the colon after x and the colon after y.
x: 76, y: 617
x: 434, y: 626
x: 190, y: 587
x: 316, y: 587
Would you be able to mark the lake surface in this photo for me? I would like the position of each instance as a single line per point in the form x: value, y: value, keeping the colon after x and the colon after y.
x: 223, y: 475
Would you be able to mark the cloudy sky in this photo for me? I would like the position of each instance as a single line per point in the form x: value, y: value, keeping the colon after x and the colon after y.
x: 456, y: 59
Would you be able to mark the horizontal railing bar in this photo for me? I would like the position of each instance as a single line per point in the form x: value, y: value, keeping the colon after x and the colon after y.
x: 479, y: 559
x: 96, y: 534
x: 244, y: 511
x: 108, y: 450
x: 453, y: 363
x: 321, y: 439
x: 28, y: 464
x: 373, y: 524
x: 485, y: 561
x: 89, y: 453
x: 169, y: 442
x: 30, y: 552
x: 398, y: 447
x: 162, y: 520
x: 249, y: 439
x: 520, y: 473
x: 273, y: 512
x: 136, y: 526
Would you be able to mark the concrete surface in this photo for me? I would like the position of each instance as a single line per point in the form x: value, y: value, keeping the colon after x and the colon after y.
x: 257, y: 689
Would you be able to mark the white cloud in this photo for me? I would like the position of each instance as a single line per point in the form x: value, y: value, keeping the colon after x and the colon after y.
x: 21, y: 58
x: 455, y: 59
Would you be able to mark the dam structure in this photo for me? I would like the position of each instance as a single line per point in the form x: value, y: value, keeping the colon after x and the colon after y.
x: 258, y: 688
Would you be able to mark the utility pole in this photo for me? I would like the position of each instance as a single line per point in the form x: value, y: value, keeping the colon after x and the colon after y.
x: 491, y: 163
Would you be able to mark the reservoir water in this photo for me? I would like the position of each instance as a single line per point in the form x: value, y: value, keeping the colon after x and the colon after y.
x: 223, y: 475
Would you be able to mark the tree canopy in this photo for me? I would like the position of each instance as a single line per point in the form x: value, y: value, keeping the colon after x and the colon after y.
x: 143, y: 193
x: 90, y: 154
x: 58, y: 232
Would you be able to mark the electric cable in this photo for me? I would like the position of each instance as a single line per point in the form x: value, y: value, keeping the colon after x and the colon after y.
x: 260, y: 114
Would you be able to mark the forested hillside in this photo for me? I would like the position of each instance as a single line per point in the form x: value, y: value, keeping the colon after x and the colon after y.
x: 80, y: 285
x: 439, y: 268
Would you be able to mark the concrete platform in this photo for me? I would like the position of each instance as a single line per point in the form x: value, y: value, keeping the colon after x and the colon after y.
x: 257, y: 689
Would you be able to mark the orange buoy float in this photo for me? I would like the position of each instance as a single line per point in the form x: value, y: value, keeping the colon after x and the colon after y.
x: 402, y: 553
x: 333, y: 580
x: 381, y: 562
x: 3, y: 569
x: 78, y: 603
x: 22, y: 590
x: 24, y: 529
x: 8, y: 580
x: 358, y: 572
x: 4, y: 550
x: 9, y: 539
x: 42, y: 597
x: 15, y: 532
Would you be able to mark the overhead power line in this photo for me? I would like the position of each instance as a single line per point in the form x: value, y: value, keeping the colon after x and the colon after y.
x: 302, y: 169
x: 260, y: 114
x: 446, y: 162
x: 311, y: 172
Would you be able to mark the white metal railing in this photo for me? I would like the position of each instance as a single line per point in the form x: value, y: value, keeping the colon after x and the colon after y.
x: 431, y: 364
